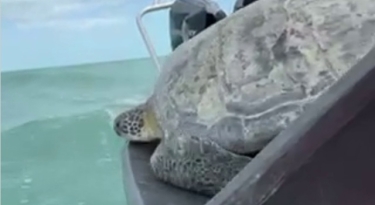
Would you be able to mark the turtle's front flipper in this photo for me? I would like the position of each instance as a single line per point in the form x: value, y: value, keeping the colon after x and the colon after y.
x: 195, y: 164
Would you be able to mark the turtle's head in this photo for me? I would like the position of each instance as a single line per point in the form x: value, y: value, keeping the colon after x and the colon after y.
x: 138, y: 124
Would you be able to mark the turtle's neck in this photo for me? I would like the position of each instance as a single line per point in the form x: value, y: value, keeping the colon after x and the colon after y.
x: 151, y: 123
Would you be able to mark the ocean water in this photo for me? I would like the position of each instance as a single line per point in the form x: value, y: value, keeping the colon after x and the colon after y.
x: 58, y: 146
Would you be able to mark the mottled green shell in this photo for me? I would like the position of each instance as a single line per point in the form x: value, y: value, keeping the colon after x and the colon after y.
x: 242, y: 81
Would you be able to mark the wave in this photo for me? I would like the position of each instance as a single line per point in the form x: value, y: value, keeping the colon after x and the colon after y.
x: 111, y: 110
x: 76, y: 152
x: 52, y: 93
x: 53, y: 121
x: 57, y: 129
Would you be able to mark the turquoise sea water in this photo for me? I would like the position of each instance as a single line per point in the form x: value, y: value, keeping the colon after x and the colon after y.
x: 58, y: 146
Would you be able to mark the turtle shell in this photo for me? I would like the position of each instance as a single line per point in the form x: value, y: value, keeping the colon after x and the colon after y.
x: 244, y: 80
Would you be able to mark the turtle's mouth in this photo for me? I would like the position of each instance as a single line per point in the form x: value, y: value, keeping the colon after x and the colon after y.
x: 117, y: 129
x: 152, y: 141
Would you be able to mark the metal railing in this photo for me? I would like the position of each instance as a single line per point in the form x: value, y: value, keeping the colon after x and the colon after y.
x: 155, y: 6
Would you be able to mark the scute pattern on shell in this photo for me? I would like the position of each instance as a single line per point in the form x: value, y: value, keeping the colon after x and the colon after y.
x: 276, y: 56
x: 231, y: 89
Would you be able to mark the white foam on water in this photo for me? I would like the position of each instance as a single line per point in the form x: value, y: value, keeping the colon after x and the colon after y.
x: 134, y: 100
x: 28, y: 180
x: 104, y: 160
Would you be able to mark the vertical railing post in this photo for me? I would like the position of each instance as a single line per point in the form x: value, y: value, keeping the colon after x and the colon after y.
x: 156, y: 6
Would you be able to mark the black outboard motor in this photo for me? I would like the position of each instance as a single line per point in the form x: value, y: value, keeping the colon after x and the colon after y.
x: 241, y: 4
x: 187, y: 18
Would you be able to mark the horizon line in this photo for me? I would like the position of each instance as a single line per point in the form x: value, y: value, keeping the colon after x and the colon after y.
x: 78, y: 64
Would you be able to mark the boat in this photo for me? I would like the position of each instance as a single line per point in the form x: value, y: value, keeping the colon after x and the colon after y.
x: 324, y: 158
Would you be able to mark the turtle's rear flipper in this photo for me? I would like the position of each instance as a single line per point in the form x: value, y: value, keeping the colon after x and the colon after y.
x: 195, y: 164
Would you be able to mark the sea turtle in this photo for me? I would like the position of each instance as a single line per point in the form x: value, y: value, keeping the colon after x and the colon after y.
x: 231, y: 89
